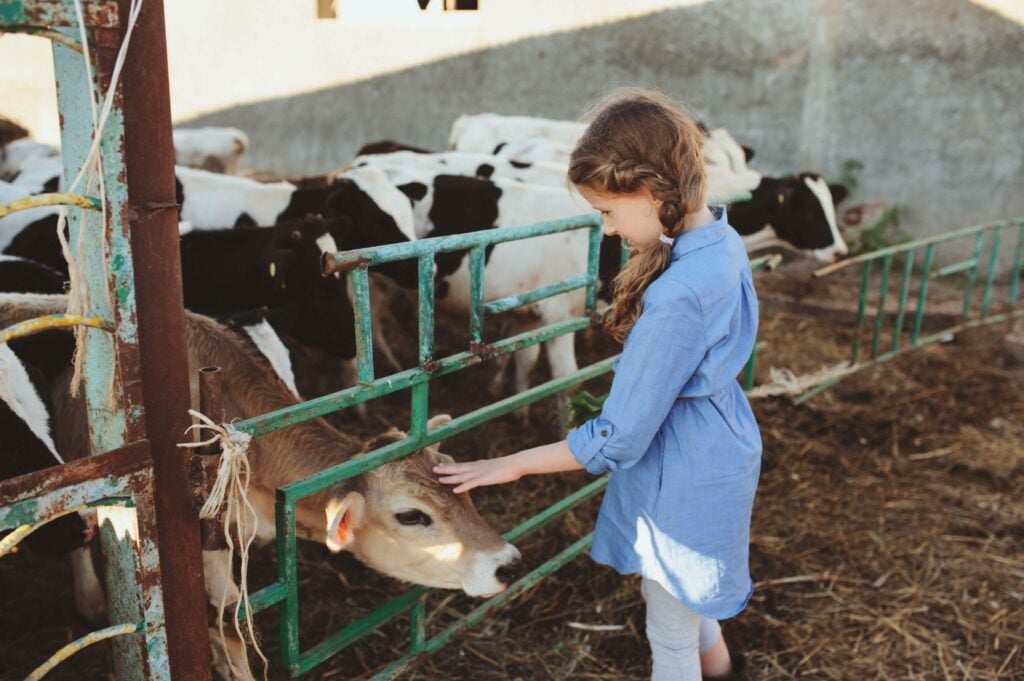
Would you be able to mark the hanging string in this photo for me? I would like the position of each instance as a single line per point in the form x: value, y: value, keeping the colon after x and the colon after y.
x: 231, y: 492
x: 785, y: 382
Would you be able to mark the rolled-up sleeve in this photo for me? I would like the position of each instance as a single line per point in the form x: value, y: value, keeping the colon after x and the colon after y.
x: 661, y: 353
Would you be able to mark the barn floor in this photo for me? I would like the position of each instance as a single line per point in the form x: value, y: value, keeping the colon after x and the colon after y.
x: 888, y: 535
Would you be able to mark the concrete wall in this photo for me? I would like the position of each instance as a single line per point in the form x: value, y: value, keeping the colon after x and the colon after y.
x: 927, y: 94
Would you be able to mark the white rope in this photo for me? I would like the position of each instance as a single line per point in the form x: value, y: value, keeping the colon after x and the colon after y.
x: 92, y: 172
x: 785, y: 382
x: 231, y: 492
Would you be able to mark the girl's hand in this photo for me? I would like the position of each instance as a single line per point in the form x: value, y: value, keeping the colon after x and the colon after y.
x: 478, y: 473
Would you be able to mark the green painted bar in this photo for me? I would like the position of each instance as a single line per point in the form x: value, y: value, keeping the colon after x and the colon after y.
x: 480, y: 612
x: 326, y: 404
x: 972, y: 274
x: 750, y: 368
x: 880, y: 312
x: 527, y: 297
x: 417, y: 626
x: 865, y: 281
x: 922, y: 293
x: 476, y: 293
x: 990, y: 275
x: 419, y: 410
x: 908, y: 269
x: 593, y: 266
x: 264, y: 598
x: 359, y: 280
x: 288, y: 576
x: 455, y: 242
x: 426, y: 296
x: 1018, y: 262
x: 411, y: 599
x: 350, y: 469
x: 955, y: 268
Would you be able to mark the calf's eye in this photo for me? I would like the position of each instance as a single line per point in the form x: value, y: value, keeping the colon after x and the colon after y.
x: 413, y: 518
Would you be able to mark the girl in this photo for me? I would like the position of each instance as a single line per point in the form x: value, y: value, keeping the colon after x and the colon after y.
x: 676, y: 431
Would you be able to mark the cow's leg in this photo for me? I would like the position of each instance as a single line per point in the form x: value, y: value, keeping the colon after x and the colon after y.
x: 90, y: 602
x: 561, y: 354
x: 380, y: 293
x: 349, y: 378
x: 497, y: 385
x: 525, y: 361
x: 230, y: 660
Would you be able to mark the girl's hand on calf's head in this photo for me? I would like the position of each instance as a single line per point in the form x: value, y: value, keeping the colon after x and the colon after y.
x: 478, y: 473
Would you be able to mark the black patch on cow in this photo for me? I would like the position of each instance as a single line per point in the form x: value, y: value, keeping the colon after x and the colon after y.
x: 309, y: 198
x: 416, y: 191
x: 519, y: 164
x: 498, y: 148
x: 26, y: 276
x: 389, y: 147
x: 748, y: 153
x: 38, y: 242
x: 791, y: 208
x: 52, y: 185
x: 226, y: 271
x: 357, y: 222
x: 243, y: 221
x: 485, y: 170
x: 179, y: 195
x: 461, y: 204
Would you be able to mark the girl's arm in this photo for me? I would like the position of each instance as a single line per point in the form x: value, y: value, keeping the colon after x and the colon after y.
x: 552, y: 458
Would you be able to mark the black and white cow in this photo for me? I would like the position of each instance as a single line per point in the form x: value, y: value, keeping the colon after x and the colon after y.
x: 20, y: 275
x: 27, y: 369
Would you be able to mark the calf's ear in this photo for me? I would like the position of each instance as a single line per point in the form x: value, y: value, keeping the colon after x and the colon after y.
x: 344, y: 516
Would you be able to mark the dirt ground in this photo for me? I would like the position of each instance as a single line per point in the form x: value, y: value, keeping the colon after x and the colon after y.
x: 887, y: 539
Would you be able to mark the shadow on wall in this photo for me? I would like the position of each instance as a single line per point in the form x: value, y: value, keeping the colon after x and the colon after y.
x: 933, y: 114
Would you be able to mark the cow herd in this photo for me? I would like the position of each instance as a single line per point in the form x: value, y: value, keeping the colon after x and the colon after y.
x: 250, y: 264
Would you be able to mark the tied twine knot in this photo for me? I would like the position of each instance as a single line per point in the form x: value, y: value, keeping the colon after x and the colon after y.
x: 230, y: 492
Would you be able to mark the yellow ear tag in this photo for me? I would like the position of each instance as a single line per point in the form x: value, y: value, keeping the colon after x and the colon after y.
x: 273, y: 269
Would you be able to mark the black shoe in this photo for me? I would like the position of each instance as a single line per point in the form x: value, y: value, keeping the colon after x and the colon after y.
x: 739, y: 669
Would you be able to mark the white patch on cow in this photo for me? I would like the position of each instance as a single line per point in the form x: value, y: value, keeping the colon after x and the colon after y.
x: 820, y: 189
x: 35, y: 172
x: 483, y: 132
x: 13, y: 224
x: 215, y: 201
x: 270, y: 345
x: 727, y: 170
x: 210, y: 148
x: 20, y: 152
x: 375, y: 183
x: 184, y: 227
x: 327, y: 244
x: 17, y: 391
x: 482, y: 580
x: 546, y: 173
x: 763, y: 238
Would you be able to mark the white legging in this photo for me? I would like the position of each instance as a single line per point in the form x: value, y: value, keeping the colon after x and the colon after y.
x: 677, y: 635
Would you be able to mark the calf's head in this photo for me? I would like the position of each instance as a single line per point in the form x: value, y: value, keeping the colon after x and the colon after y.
x: 402, y: 522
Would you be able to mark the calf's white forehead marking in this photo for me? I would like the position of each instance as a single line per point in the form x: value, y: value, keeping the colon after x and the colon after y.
x: 819, y: 188
x: 388, y: 198
x: 270, y: 345
x: 20, y: 395
x: 445, y: 552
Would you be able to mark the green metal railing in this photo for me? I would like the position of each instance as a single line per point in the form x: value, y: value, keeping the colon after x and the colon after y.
x: 284, y: 591
x: 904, y: 257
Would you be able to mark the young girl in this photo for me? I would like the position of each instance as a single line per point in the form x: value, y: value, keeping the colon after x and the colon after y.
x: 676, y: 431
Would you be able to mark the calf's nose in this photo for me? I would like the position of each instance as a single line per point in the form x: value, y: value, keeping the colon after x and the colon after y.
x: 507, y: 573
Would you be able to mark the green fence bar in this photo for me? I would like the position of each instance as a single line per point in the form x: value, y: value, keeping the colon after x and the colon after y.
x: 520, y: 299
x: 908, y: 269
x: 1018, y: 262
x: 990, y: 275
x: 880, y: 313
x: 288, y: 577
x: 359, y: 280
x: 476, y: 293
x: 865, y: 280
x: 426, y: 295
x: 593, y: 265
x: 922, y: 293
x: 972, y: 274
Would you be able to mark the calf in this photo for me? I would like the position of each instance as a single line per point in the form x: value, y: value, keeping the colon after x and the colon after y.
x: 484, y: 166
x: 397, y: 519
x: 484, y: 132
x: 218, y: 150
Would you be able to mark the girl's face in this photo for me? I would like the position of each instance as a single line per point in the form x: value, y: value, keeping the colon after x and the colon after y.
x: 632, y: 216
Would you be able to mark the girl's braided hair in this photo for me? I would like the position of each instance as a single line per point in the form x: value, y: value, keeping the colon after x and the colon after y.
x: 640, y: 137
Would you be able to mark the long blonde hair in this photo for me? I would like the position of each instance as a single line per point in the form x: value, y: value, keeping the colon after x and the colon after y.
x: 640, y: 137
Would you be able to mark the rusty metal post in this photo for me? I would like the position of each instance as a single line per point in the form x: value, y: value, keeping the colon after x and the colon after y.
x: 149, y: 160
x: 207, y: 459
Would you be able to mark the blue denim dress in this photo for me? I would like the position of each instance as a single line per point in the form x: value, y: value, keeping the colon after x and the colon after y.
x: 677, y: 432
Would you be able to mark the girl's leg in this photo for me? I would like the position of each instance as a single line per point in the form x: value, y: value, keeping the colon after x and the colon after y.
x: 714, y: 655
x: 674, y: 633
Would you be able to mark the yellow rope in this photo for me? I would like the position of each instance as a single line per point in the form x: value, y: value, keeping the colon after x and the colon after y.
x: 82, y: 643
x: 40, y: 200
x: 53, y: 321
x: 12, y: 539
